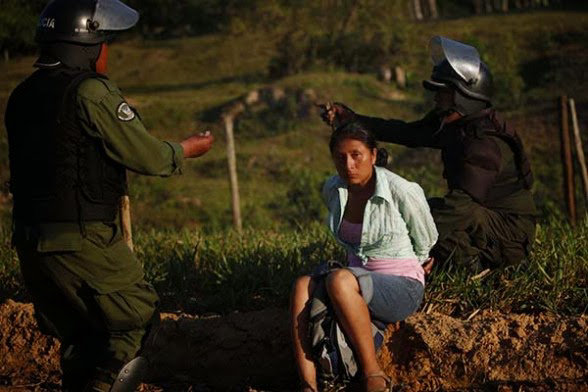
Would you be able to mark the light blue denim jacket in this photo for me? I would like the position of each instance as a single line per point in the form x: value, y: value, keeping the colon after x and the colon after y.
x: 397, y: 221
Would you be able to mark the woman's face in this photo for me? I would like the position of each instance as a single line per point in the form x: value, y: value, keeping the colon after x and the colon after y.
x: 354, y: 161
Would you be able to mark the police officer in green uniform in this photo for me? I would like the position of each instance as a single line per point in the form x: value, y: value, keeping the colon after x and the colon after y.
x: 72, y: 136
x: 487, y: 218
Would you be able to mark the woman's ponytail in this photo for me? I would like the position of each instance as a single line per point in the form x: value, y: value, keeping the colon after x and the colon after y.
x: 382, y: 157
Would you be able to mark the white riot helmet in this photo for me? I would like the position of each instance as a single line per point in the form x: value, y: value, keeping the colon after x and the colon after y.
x: 458, y: 66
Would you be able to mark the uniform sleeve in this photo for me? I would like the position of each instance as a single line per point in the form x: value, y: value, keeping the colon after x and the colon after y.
x: 421, y: 133
x: 105, y: 115
x: 415, y: 211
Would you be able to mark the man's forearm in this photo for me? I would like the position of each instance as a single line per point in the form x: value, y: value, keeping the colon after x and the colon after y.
x: 412, y: 134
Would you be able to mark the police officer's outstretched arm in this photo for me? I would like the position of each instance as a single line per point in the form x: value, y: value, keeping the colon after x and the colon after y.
x: 107, y: 116
x: 412, y: 134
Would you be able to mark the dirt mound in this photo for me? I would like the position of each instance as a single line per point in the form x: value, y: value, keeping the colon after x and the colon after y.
x: 427, y: 352
x: 27, y: 357
x: 540, y: 352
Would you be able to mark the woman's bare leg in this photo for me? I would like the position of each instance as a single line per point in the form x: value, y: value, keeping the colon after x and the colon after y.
x: 354, y: 317
x: 299, y: 313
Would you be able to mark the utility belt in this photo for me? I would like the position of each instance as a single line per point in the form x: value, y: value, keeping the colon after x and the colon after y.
x: 70, y: 208
x: 498, y: 192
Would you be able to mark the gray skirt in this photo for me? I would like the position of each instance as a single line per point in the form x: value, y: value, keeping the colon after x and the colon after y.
x: 390, y: 298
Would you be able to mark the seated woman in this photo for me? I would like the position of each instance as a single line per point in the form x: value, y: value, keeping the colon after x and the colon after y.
x: 385, y: 225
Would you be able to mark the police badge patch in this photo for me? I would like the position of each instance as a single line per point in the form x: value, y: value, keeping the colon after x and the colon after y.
x: 124, y: 112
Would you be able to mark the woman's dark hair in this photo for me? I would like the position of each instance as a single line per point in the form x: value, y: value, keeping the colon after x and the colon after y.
x: 356, y: 132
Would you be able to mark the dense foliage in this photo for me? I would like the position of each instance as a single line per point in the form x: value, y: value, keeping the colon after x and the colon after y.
x: 180, y: 18
x: 17, y: 25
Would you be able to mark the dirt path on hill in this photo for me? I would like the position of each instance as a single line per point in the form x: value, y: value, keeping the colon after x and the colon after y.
x: 241, y: 351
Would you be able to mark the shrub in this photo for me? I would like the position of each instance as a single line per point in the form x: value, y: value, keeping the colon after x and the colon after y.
x: 18, y: 20
x: 304, y: 202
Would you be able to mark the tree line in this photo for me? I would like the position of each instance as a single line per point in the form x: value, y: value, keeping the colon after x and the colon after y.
x: 162, y: 19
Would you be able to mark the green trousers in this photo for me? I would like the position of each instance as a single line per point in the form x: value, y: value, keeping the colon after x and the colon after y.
x: 89, y: 292
x: 477, y: 237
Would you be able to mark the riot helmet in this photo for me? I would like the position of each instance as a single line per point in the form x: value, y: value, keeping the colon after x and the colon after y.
x: 71, y: 32
x: 85, y: 22
x: 458, y: 66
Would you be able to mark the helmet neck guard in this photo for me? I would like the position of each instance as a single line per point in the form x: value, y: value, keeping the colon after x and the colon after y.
x: 78, y: 57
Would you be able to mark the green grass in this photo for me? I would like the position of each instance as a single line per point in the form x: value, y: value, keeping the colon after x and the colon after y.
x: 555, y: 279
x: 220, y: 273
x: 182, y: 224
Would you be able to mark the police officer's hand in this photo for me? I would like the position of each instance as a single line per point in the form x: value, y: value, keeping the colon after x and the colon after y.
x: 197, y: 145
x: 336, y: 114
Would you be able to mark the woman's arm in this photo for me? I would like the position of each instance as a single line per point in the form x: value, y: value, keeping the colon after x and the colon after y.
x: 415, y: 211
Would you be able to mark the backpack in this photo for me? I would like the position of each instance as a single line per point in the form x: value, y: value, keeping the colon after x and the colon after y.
x: 332, y: 354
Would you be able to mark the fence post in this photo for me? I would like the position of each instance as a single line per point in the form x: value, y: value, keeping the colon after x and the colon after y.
x: 433, y: 13
x: 125, y: 220
x: 228, y: 120
x: 418, y: 11
x: 566, y: 157
x: 579, y: 150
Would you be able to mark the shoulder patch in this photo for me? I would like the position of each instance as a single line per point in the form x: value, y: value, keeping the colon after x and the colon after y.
x: 124, y: 112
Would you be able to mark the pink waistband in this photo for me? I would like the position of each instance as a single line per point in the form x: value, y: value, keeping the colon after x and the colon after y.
x: 410, y: 268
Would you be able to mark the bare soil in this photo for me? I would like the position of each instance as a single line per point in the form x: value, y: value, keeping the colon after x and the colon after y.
x: 242, y: 351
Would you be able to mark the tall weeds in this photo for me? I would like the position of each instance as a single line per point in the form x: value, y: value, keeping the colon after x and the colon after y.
x: 224, y: 272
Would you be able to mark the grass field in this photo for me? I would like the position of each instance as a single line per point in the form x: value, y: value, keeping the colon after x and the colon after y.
x: 182, y: 224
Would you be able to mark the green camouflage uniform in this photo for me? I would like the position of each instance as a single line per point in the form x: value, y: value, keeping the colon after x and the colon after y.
x: 487, y: 218
x: 87, y: 286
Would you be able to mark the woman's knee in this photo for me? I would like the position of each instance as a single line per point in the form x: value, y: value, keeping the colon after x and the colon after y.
x: 341, y: 281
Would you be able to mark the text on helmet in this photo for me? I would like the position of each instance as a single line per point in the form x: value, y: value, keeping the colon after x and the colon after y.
x: 47, y: 23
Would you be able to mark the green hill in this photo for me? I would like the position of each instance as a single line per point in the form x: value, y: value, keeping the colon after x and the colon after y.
x: 179, y: 86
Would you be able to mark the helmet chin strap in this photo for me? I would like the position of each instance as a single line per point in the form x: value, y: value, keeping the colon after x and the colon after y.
x: 466, y: 105
x: 102, y: 61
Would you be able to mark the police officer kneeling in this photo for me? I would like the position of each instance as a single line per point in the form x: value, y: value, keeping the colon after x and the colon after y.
x: 72, y: 136
x: 487, y: 219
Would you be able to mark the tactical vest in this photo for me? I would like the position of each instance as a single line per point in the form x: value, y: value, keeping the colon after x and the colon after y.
x: 472, y: 160
x: 59, y: 173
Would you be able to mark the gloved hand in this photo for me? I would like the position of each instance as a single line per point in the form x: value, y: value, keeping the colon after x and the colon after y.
x: 336, y: 114
x: 197, y: 145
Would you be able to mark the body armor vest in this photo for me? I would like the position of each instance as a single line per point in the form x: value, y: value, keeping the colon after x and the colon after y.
x: 473, y: 161
x: 59, y: 173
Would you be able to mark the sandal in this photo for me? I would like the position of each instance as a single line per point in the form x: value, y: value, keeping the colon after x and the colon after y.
x: 386, y: 388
